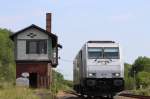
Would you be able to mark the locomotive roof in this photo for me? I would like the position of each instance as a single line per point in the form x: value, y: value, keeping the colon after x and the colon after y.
x: 101, y: 41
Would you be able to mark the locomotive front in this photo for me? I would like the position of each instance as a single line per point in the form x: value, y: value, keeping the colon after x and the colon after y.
x: 104, y: 68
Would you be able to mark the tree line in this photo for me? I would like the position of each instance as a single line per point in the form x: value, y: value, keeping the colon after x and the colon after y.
x: 137, y: 75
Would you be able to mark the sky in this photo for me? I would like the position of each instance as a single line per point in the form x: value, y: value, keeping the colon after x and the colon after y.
x: 77, y: 21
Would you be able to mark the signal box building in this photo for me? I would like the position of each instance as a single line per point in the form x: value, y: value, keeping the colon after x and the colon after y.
x: 36, y: 52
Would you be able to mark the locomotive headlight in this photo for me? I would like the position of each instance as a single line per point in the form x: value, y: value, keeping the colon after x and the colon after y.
x: 92, y: 74
x: 116, y: 74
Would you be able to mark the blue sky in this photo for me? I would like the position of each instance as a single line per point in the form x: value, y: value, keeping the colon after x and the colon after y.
x: 77, y: 21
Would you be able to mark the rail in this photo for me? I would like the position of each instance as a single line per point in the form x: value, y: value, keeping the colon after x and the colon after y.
x: 135, y: 96
x: 122, y: 95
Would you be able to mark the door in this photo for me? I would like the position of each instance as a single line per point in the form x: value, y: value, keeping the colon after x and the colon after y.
x: 33, y: 80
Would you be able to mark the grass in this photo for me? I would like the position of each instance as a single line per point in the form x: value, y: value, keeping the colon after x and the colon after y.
x: 17, y: 93
x: 144, y: 92
x: 8, y: 91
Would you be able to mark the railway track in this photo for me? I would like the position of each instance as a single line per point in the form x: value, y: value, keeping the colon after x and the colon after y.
x: 78, y: 96
x: 120, y: 96
x: 130, y: 96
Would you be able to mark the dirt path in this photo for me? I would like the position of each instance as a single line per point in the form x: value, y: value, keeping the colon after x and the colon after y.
x: 64, y: 95
x: 44, y: 94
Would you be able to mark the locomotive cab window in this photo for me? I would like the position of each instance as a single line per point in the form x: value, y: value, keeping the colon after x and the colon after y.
x: 94, y: 53
x: 111, y: 53
x: 36, y: 46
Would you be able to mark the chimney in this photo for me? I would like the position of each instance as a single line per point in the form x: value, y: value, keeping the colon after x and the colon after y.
x: 48, y: 22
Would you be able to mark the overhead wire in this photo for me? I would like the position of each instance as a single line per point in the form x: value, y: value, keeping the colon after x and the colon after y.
x: 66, y: 60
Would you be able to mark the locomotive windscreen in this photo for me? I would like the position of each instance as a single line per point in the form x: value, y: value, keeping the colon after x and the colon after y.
x: 111, y: 53
x: 103, y: 53
x: 94, y: 53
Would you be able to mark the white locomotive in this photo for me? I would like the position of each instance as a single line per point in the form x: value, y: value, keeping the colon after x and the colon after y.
x: 98, y: 69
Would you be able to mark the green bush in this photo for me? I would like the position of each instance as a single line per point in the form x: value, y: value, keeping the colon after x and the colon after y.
x: 143, y: 79
x: 59, y: 83
x: 129, y: 81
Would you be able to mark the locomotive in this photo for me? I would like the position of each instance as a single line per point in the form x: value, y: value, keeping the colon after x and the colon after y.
x: 98, y: 69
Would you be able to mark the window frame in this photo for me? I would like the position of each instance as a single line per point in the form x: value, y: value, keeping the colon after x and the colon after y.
x: 37, y: 46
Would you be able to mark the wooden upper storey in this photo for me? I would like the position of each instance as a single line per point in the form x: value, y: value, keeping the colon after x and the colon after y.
x: 35, y: 44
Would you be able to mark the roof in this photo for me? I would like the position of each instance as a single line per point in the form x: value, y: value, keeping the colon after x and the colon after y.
x: 54, y: 37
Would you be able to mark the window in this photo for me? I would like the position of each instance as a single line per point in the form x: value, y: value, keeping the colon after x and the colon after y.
x: 36, y: 46
x: 111, y: 53
x: 94, y: 53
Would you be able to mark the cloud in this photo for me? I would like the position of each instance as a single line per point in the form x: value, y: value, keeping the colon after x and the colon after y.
x: 10, y: 22
x: 10, y: 19
x: 120, y: 17
x: 15, y: 21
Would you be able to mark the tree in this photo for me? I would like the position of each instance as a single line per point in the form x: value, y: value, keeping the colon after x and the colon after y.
x: 140, y: 70
x: 7, y: 67
x: 141, y: 64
